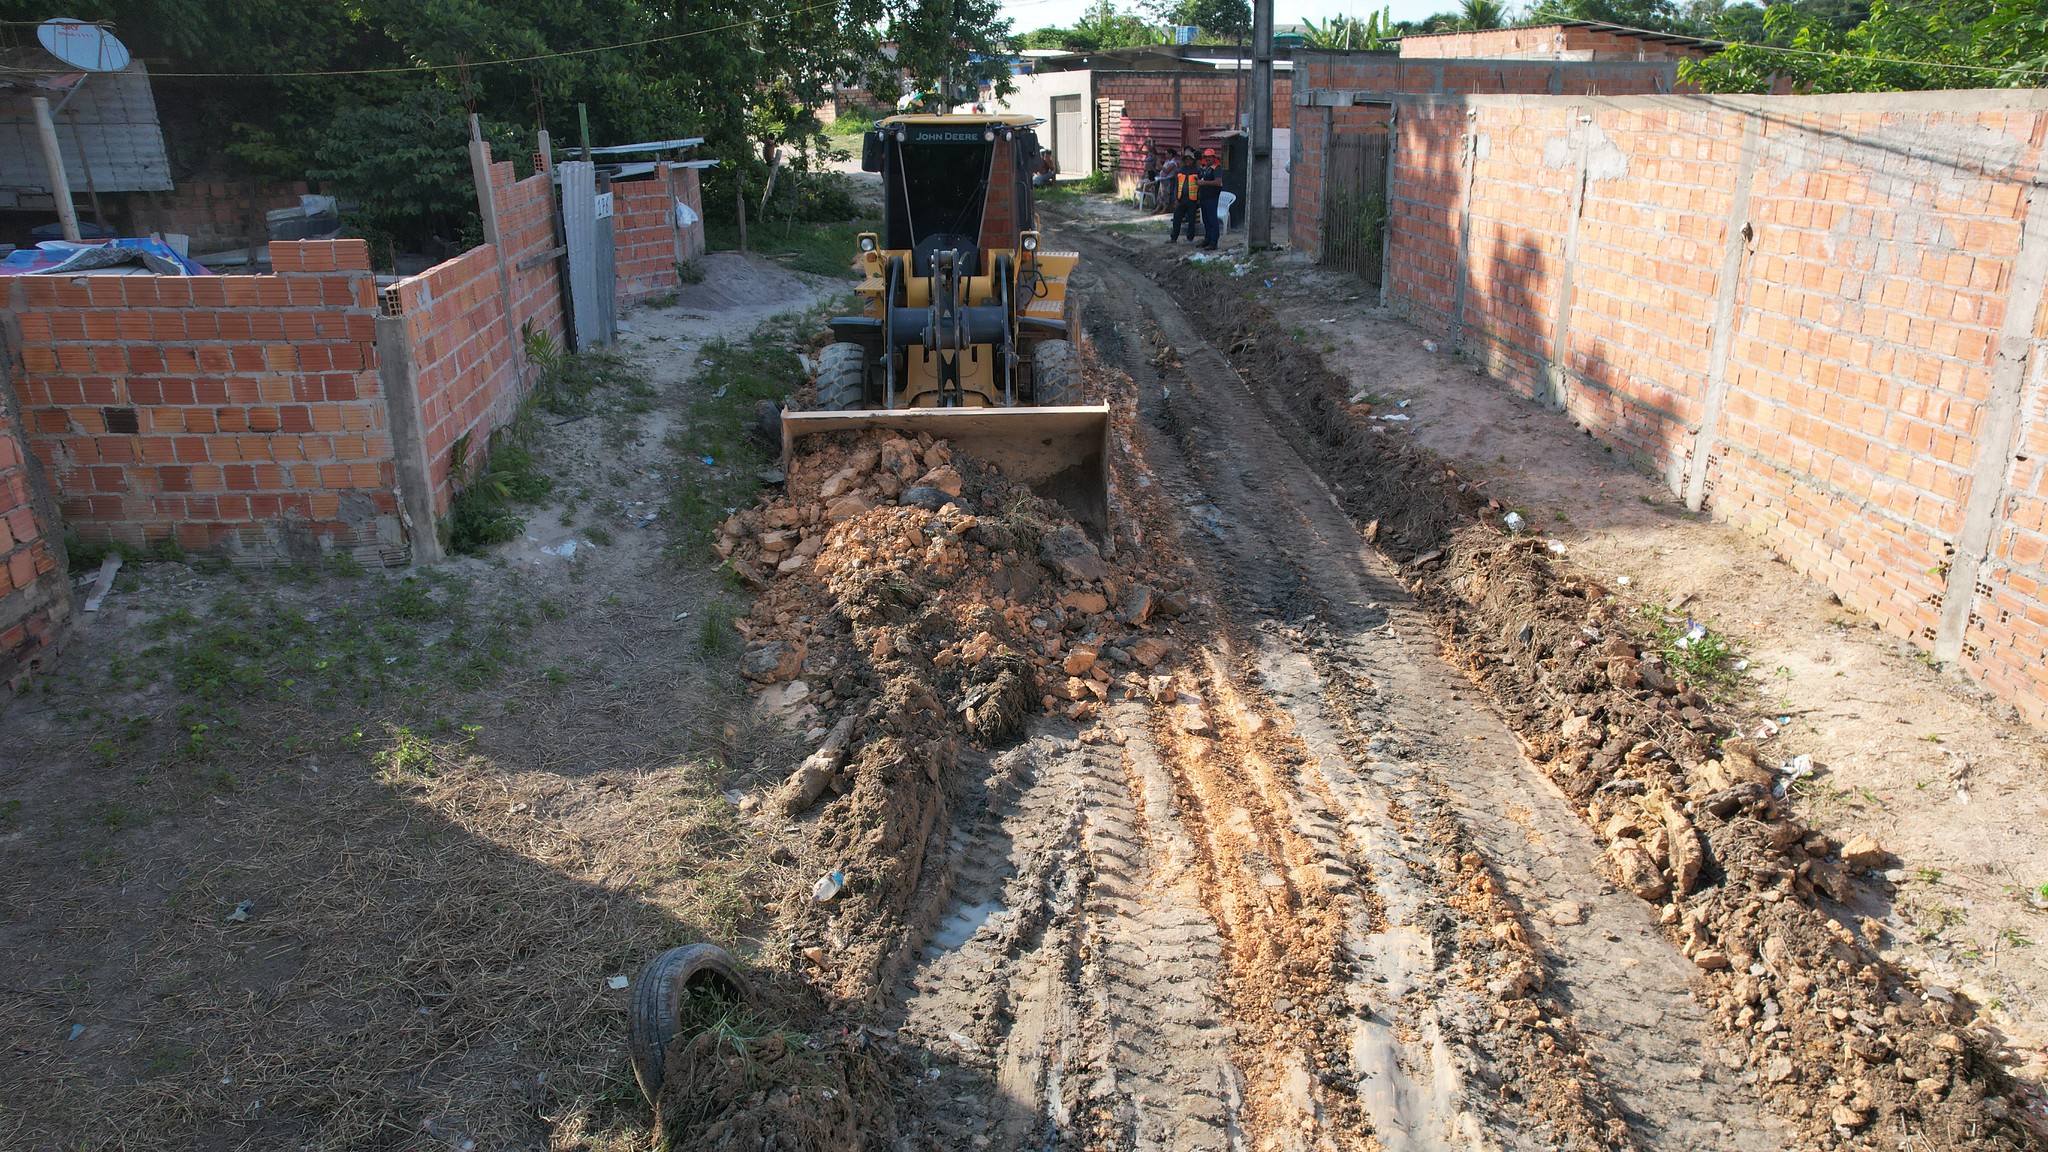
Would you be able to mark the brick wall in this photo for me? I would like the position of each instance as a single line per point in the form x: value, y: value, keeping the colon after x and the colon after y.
x: 1213, y: 96
x: 1548, y: 41
x: 1329, y: 81
x: 647, y: 243
x: 214, y: 214
x: 233, y: 414
x: 35, y: 596
x: 1818, y: 317
x: 466, y: 361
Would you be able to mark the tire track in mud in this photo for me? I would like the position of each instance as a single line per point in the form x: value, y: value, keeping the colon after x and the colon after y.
x: 1417, y: 776
x: 1072, y: 981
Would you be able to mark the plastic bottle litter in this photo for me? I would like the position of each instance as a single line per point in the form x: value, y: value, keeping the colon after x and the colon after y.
x: 1429, y: 345
x: 828, y: 886
x: 1514, y: 521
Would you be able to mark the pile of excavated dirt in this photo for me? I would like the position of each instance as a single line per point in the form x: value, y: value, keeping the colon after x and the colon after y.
x: 1846, y: 1044
x: 913, y: 609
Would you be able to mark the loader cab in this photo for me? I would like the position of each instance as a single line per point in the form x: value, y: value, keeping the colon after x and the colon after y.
x: 953, y: 183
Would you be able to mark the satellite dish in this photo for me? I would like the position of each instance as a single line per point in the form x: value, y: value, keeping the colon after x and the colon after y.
x: 81, y: 45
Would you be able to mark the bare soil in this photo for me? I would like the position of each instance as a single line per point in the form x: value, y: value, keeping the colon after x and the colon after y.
x: 1308, y: 808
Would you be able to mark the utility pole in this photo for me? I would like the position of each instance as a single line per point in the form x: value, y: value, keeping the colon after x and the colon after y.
x: 1258, y: 190
x: 53, y: 160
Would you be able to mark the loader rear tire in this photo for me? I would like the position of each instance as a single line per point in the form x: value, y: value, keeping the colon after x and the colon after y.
x: 658, y: 1001
x: 1056, y: 374
x: 842, y: 378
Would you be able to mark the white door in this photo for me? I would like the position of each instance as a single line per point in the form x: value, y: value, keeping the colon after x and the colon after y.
x: 1070, y: 142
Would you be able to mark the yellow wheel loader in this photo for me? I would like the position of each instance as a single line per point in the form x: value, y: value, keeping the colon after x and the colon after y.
x: 967, y: 330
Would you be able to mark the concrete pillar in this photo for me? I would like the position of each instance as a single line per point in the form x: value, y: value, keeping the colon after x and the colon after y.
x: 415, y: 469
x: 1727, y: 314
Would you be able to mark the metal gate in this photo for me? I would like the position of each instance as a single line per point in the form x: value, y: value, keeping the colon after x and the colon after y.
x: 587, y: 228
x: 1355, y: 203
x: 1070, y: 142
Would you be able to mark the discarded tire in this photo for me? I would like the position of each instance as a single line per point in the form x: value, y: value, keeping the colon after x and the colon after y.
x: 660, y: 996
x: 842, y: 378
x: 1056, y: 373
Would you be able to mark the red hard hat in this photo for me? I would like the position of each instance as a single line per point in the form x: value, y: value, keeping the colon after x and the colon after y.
x: 1208, y: 151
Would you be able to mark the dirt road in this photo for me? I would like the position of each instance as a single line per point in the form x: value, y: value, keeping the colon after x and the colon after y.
x: 1325, y: 903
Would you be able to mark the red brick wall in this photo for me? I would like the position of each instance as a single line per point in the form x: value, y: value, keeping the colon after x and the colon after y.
x: 214, y: 214
x: 468, y: 364
x: 35, y: 597
x: 1546, y: 41
x: 259, y: 428
x: 1214, y: 96
x: 1377, y: 76
x: 1878, y: 256
x: 646, y: 241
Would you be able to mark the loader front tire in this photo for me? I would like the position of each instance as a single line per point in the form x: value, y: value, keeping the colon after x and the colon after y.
x: 1056, y: 374
x: 842, y: 378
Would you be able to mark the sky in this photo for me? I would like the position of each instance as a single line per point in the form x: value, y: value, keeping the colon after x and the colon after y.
x: 1029, y: 14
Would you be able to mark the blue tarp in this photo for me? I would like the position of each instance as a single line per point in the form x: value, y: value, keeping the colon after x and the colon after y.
x: 55, y: 257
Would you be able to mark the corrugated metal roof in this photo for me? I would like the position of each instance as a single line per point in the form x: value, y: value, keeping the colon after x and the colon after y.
x: 113, y: 116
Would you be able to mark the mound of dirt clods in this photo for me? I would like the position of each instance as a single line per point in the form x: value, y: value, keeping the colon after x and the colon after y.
x: 1695, y: 823
x: 913, y: 609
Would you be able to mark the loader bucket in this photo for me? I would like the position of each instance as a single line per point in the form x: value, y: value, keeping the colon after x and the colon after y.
x: 1062, y: 453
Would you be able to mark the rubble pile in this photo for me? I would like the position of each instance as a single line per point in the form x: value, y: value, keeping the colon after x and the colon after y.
x: 1695, y: 822
x: 910, y: 599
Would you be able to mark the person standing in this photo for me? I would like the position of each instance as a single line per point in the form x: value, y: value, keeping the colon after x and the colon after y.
x: 1209, y: 190
x: 1168, y: 180
x: 1187, y: 198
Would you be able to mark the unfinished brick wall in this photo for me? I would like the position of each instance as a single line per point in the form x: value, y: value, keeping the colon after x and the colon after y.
x: 1551, y: 41
x: 1215, y: 97
x: 1819, y: 317
x: 647, y: 244
x: 464, y: 322
x: 232, y: 414
x: 1333, y: 83
x: 35, y: 595
x: 215, y: 214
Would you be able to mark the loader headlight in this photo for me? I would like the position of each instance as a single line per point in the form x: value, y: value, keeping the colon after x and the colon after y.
x: 1029, y: 242
x: 868, y: 243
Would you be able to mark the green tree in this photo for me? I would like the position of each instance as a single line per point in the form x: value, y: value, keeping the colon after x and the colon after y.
x: 956, y: 42
x: 1973, y: 44
x: 1349, y: 33
x: 1220, y: 21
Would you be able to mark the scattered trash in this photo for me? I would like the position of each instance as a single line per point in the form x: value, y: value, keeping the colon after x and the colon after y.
x: 1239, y: 269
x: 735, y: 795
x: 708, y: 460
x: 1514, y: 522
x: 617, y: 983
x: 966, y: 1045
x: 518, y: 808
x: 1622, y: 580
x: 1694, y: 633
x: 1429, y: 345
x: 1556, y: 546
x: 77, y: 1030
x: 241, y: 913
x: 1359, y: 396
x: 1269, y: 283
x: 1766, y: 730
x: 1400, y: 417
x: 828, y: 886
x: 1796, y: 769
x: 681, y: 616
x: 566, y: 549
x: 720, y: 394
x: 1740, y: 665
x: 1401, y: 403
